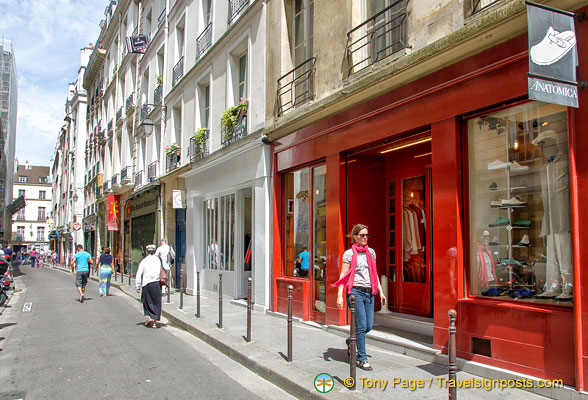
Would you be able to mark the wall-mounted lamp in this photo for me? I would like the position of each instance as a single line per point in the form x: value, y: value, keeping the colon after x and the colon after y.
x: 148, y: 126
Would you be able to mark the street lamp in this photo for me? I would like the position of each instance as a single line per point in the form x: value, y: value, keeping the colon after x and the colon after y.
x: 148, y: 126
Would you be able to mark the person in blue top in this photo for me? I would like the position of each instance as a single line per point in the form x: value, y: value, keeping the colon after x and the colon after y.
x: 303, y: 259
x: 80, y: 267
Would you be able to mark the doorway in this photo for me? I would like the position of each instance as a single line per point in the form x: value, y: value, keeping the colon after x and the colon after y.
x: 244, y: 267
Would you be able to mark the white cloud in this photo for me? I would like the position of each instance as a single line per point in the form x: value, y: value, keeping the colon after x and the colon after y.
x: 47, y: 36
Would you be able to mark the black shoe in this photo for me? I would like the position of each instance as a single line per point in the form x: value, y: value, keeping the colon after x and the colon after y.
x: 365, y: 366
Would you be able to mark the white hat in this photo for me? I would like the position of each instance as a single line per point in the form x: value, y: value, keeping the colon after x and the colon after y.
x: 150, y: 247
x: 549, y: 134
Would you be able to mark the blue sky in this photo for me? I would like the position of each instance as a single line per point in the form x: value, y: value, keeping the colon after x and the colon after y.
x: 47, y: 36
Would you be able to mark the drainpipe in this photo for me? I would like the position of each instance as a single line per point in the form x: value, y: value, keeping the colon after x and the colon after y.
x: 163, y: 115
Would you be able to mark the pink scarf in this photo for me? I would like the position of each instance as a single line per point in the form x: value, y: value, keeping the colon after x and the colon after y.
x: 349, y: 277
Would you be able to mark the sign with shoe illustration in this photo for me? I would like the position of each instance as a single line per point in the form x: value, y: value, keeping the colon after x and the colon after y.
x: 553, y: 55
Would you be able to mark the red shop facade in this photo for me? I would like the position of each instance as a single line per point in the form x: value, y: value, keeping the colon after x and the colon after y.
x: 451, y: 173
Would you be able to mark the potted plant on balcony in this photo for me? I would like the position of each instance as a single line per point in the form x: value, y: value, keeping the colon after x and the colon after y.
x: 159, y: 79
x: 230, y: 117
x: 200, y: 136
x: 173, y: 149
x: 244, y: 105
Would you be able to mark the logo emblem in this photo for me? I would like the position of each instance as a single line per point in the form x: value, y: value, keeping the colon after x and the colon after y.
x: 324, y: 383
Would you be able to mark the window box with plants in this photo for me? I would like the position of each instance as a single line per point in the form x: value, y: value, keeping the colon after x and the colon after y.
x: 173, y: 153
x: 234, y: 122
x: 200, y: 148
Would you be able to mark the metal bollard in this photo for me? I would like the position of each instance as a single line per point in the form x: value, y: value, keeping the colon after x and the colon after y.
x: 168, y: 288
x: 129, y: 269
x: 289, y: 359
x: 352, y: 341
x: 197, y: 294
x: 452, y: 365
x: 248, y: 339
x: 220, y: 300
x: 181, y: 288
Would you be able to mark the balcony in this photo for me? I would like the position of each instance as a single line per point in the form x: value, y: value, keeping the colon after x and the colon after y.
x: 20, y: 237
x: 152, y: 171
x: 105, y: 187
x: 41, y: 217
x: 100, y: 136
x: 377, y: 38
x: 479, y: 5
x: 235, y: 8
x: 296, y: 87
x: 204, y: 41
x: 238, y: 130
x: 119, y: 115
x: 138, y: 178
x: 178, y: 71
x: 99, y: 191
x: 172, y: 161
x: 110, y: 125
x: 114, y: 180
x: 125, y: 174
x: 145, y: 110
x: 157, y: 94
x: 161, y: 18
x: 41, y: 239
x: 198, y: 150
x: 129, y: 103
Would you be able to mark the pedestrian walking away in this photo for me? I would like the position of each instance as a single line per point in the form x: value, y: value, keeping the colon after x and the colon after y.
x: 33, y: 256
x: 105, y: 270
x: 167, y: 255
x: 147, y: 283
x: 359, y: 276
x: 80, y: 267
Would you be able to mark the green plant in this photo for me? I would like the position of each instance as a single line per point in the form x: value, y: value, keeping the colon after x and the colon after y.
x: 172, y: 149
x: 201, y: 135
x: 159, y: 79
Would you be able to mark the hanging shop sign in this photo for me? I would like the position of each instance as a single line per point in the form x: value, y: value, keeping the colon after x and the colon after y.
x: 553, y: 55
x: 113, y: 212
x: 77, y: 226
x: 137, y: 44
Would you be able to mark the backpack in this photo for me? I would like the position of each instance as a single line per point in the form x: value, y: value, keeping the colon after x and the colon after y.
x: 170, y: 256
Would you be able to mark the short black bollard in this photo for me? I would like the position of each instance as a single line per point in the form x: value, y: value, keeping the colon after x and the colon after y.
x: 452, y: 365
x: 248, y: 339
x: 129, y: 271
x: 289, y: 359
x: 220, y: 300
x: 197, y: 294
x: 181, y: 288
x: 168, y: 287
x: 352, y: 342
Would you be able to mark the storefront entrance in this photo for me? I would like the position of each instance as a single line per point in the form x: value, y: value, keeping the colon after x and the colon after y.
x: 389, y: 190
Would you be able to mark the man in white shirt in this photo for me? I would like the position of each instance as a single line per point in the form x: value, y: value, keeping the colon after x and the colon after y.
x: 165, y: 253
x: 147, y: 283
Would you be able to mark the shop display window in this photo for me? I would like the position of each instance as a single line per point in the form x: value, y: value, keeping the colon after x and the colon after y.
x: 519, y: 204
x: 219, y: 232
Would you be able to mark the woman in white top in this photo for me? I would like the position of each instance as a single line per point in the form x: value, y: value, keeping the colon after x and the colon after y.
x: 147, y: 280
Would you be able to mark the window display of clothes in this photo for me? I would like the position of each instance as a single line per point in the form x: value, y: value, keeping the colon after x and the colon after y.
x: 486, y: 267
x: 414, y: 219
x: 556, y: 223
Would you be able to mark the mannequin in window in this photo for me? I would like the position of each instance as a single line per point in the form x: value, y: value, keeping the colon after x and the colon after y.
x: 486, y: 263
x: 556, y: 225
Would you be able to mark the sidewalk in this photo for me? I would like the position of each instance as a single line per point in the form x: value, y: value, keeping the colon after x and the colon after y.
x: 316, y: 350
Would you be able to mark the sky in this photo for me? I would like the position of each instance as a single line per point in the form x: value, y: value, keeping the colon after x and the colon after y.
x: 47, y: 36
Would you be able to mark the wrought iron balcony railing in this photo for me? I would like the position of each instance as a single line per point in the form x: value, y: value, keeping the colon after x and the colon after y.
x: 378, y: 37
x: 145, y: 109
x: 152, y: 171
x: 172, y: 161
x: 129, y: 103
x: 161, y: 18
x: 238, y: 130
x: 178, y: 71
x: 198, y: 150
x: 119, y: 114
x: 110, y: 125
x: 204, y: 41
x: 125, y: 174
x: 105, y: 187
x: 157, y: 94
x: 296, y: 86
x: 20, y: 237
x: 138, y: 178
x: 114, y: 180
x: 478, y: 5
x: 235, y: 8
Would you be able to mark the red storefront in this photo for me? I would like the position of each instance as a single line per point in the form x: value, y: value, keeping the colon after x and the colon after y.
x: 423, y: 154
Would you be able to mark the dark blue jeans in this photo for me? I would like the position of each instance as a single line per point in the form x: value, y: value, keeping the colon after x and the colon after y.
x: 364, y: 319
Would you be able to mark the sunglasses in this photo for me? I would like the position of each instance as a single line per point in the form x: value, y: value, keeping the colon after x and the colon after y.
x: 364, y: 235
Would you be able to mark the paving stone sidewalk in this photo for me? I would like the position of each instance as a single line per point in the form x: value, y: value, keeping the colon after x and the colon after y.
x: 316, y: 351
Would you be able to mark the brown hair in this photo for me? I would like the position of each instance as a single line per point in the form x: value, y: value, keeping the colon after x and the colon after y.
x: 107, y: 250
x: 356, y: 229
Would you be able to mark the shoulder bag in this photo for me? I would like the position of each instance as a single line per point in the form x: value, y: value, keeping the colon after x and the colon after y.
x: 163, y: 278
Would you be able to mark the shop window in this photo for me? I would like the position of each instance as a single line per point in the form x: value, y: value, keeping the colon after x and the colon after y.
x: 219, y: 232
x: 305, y: 207
x: 519, y: 200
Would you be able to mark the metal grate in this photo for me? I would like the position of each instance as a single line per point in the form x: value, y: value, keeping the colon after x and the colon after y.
x: 198, y: 150
x: 157, y: 94
x: 178, y: 71
x: 235, y: 8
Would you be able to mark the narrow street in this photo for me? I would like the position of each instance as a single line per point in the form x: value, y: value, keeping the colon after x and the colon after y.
x: 64, y: 349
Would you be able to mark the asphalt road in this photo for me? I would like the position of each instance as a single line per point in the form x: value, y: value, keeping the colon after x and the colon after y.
x: 63, y: 349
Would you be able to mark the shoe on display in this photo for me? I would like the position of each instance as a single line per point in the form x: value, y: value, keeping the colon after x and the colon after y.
x: 515, y: 166
x: 550, y: 292
x: 513, y: 202
x: 522, y: 293
x: 497, y: 164
x: 493, y: 186
x: 500, y: 222
x: 553, y: 47
x: 566, y: 294
x: 494, y: 241
x: 511, y: 261
x: 525, y: 241
x: 522, y: 223
x: 493, y: 291
x: 496, y: 203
